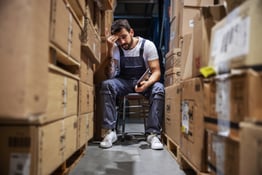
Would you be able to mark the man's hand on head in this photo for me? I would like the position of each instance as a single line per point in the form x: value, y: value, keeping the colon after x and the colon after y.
x: 112, y: 39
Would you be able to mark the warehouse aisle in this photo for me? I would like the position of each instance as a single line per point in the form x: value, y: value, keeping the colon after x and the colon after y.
x: 130, y: 157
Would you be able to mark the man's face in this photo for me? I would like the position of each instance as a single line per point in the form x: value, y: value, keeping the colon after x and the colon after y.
x: 125, y: 39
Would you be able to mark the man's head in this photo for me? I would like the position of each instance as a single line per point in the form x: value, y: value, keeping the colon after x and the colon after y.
x: 121, y: 28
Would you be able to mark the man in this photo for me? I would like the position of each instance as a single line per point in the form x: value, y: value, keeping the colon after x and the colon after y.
x: 131, y: 57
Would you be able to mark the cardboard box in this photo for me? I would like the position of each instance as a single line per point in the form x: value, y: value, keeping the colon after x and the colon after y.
x: 235, y: 39
x: 210, y: 98
x: 189, y: 14
x: 187, y: 57
x: 175, y: 9
x: 29, y: 149
x: 176, y: 21
x: 90, y: 126
x: 173, y: 113
x: 86, y: 98
x: 106, y: 21
x: 70, y: 130
x: 91, y: 45
x: 250, y: 149
x: 202, y: 34
x: 231, y: 99
x: 24, y: 58
x: 106, y: 4
x: 172, y: 76
x: 79, y: 7
x: 82, y: 130
x: 192, y: 141
x: 199, y: 3
x: 86, y: 70
x: 223, y: 154
x: 173, y: 59
x: 64, y: 31
x: 62, y: 97
x: 195, y: 55
x: 74, y: 41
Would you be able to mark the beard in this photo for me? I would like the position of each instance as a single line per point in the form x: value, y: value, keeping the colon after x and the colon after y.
x: 128, y: 46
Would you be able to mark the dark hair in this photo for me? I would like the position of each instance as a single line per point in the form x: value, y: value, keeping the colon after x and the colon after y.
x: 118, y: 25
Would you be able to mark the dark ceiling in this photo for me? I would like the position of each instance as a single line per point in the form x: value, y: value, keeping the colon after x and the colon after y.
x: 141, y: 15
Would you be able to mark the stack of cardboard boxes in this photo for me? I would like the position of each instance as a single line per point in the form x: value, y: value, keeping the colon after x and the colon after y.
x: 47, y: 92
x: 211, y: 128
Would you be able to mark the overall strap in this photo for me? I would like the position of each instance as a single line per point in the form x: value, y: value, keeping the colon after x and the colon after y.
x: 142, y: 48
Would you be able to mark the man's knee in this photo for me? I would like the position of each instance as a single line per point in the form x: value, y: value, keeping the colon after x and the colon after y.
x: 158, y: 90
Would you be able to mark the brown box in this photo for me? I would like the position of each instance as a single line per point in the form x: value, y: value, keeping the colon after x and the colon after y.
x: 106, y: 21
x: 86, y: 70
x: 250, y: 149
x: 90, y: 125
x: 79, y: 7
x: 172, y: 76
x: 195, y: 55
x: 175, y: 9
x: 189, y: 14
x: 192, y: 140
x: 91, y: 45
x: 82, y: 130
x: 223, y: 154
x: 62, y: 97
x: 29, y: 149
x: 74, y: 41
x: 176, y: 21
x: 198, y: 3
x: 64, y: 31
x: 187, y: 57
x: 202, y: 34
x: 232, y: 99
x: 235, y: 39
x: 210, y: 98
x: 173, y: 59
x: 24, y: 58
x: 70, y: 129
x: 173, y: 113
x: 106, y: 4
x: 86, y: 98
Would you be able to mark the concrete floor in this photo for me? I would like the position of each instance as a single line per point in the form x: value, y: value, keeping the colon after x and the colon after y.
x: 132, y: 156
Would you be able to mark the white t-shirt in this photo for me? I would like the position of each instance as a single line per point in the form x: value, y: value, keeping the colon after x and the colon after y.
x: 150, y: 51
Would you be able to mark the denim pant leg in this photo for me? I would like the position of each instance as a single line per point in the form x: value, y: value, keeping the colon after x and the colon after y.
x: 110, y: 90
x: 156, y: 98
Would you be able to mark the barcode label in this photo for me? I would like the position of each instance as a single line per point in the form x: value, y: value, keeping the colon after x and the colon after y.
x: 19, y: 164
x: 231, y: 41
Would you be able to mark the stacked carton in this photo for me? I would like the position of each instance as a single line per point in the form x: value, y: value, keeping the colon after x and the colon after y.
x: 47, y: 99
x: 233, y: 92
x: 193, y: 24
x: 219, y: 114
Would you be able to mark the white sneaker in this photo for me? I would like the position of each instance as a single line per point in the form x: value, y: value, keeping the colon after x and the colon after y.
x: 109, y: 139
x: 154, y: 142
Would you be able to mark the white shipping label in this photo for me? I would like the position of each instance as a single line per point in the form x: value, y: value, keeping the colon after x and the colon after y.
x: 191, y: 23
x: 185, y: 117
x: 223, y: 106
x: 19, y: 164
x: 231, y: 41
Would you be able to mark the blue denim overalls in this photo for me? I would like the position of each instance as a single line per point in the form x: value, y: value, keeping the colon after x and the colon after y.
x: 131, y: 69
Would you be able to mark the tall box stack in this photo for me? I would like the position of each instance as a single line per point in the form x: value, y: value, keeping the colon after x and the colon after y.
x: 172, y: 75
x: 191, y: 25
x: 39, y: 104
x: 231, y: 112
x: 106, y: 8
x: 198, y: 19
